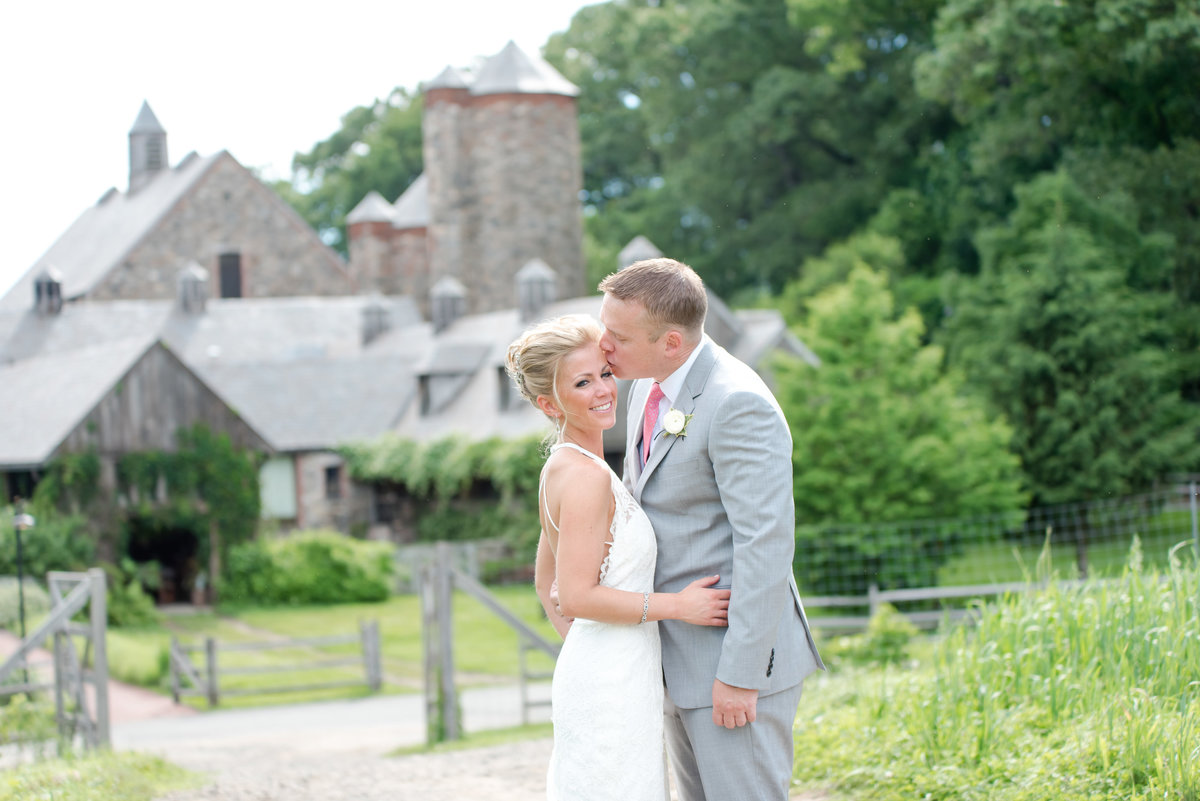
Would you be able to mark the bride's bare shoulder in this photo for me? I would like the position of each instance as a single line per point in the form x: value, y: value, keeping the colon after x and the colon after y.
x: 573, y: 472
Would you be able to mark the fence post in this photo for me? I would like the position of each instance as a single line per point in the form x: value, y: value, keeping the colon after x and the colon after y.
x: 1195, y: 521
x: 99, y: 621
x: 1195, y: 532
x: 522, y: 648
x: 174, y: 649
x: 210, y: 659
x: 369, y: 632
x: 425, y: 587
x: 872, y: 599
x: 445, y: 625
x: 60, y: 691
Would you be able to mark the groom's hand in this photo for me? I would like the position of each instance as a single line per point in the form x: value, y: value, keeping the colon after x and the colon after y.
x: 733, y: 706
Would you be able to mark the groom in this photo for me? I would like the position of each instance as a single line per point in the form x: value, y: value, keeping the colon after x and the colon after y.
x: 709, y: 457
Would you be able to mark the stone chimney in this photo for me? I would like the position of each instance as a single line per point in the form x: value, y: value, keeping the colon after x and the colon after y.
x: 448, y: 302
x: 147, y: 149
x: 47, y: 292
x: 193, y: 289
x: 536, y: 289
x: 376, y: 321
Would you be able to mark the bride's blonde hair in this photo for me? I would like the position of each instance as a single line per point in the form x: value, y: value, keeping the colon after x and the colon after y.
x: 533, y: 358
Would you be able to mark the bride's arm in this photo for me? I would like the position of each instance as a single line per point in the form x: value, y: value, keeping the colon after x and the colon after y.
x: 585, y: 500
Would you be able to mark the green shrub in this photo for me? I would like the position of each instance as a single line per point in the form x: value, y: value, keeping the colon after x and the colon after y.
x: 128, y: 603
x: 884, y: 642
x: 311, y: 567
x: 37, y: 603
x: 56, y: 542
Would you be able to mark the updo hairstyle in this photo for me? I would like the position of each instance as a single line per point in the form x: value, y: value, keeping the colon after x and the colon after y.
x: 533, y: 358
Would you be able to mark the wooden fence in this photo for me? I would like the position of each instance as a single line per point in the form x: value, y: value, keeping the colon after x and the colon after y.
x: 197, y: 670
x: 438, y: 580
x: 80, y: 680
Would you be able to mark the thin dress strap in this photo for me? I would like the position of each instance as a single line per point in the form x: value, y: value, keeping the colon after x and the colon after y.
x: 542, y: 479
x: 579, y: 448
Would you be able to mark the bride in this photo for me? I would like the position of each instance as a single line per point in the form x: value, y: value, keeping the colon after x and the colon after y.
x: 607, y: 692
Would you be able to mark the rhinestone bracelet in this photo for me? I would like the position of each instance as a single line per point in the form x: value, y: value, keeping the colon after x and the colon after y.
x: 645, y: 606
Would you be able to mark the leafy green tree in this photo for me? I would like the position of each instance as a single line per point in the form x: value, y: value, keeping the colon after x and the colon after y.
x: 1068, y: 347
x: 1032, y: 83
x: 378, y: 147
x: 745, y: 135
x: 881, y: 432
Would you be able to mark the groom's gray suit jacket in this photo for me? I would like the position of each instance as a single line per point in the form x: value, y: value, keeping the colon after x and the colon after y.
x: 720, y: 500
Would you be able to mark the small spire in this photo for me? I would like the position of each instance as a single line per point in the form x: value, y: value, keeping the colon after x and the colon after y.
x: 147, y: 148
x: 146, y: 122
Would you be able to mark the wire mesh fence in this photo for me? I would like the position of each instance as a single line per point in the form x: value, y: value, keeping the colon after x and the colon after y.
x: 848, y: 566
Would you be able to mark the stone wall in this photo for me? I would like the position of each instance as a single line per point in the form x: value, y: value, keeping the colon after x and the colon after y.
x: 526, y: 159
x: 349, y: 513
x: 229, y: 211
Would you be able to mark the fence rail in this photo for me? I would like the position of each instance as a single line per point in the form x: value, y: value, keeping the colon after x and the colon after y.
x: 205, y: 678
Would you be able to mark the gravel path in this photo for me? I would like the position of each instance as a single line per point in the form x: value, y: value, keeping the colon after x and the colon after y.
x: 510, y: 772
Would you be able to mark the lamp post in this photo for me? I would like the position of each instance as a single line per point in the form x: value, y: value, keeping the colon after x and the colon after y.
x: 21, y: 522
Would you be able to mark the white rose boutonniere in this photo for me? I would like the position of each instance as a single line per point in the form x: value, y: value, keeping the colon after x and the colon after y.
x: 675, y: 423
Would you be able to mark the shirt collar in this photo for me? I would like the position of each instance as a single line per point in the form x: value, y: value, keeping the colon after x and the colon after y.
x: 673, y: 385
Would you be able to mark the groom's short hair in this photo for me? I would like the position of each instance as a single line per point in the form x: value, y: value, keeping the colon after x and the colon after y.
x: 670, y: 292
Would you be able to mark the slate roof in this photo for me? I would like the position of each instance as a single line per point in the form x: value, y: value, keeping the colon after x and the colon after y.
x: 511, y: 71
x: 243, y: 330
x: 105, y: 232
x: 295, y: 368
x: 372, y: 208
x: 61, y: 390
x: 317, y: 404
x: 146, y: 122
x: 450, y: 78
x: 411, y: 209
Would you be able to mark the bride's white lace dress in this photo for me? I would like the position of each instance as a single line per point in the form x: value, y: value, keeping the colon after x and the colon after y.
x: 607, y: 695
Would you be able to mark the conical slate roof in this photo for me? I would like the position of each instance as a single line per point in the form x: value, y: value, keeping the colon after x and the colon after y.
x: 638, y: 249
x: 450, y: 78
x: 411, y: 210
x: 146, y: 122
x: 512, y: 70
x: 536, y: 268
x: 372, y: 208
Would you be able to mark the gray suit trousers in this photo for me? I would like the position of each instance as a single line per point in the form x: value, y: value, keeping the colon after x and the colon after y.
x: 756, y: 761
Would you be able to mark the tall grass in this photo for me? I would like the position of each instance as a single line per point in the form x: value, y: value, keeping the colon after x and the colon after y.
x: 1085, y: 692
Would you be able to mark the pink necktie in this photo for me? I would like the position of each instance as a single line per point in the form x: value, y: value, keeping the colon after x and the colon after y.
x: 650, y: 418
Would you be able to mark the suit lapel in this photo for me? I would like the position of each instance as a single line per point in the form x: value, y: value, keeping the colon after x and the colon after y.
x: 693, y: 386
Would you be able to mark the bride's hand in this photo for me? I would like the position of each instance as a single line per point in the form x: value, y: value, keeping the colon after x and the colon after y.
x: 702, y: 606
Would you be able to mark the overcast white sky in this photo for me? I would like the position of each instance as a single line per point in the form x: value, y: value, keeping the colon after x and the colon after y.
x: 262, y: 79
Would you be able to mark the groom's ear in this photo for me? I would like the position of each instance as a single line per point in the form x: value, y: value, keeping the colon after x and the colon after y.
x: 673, y: 340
